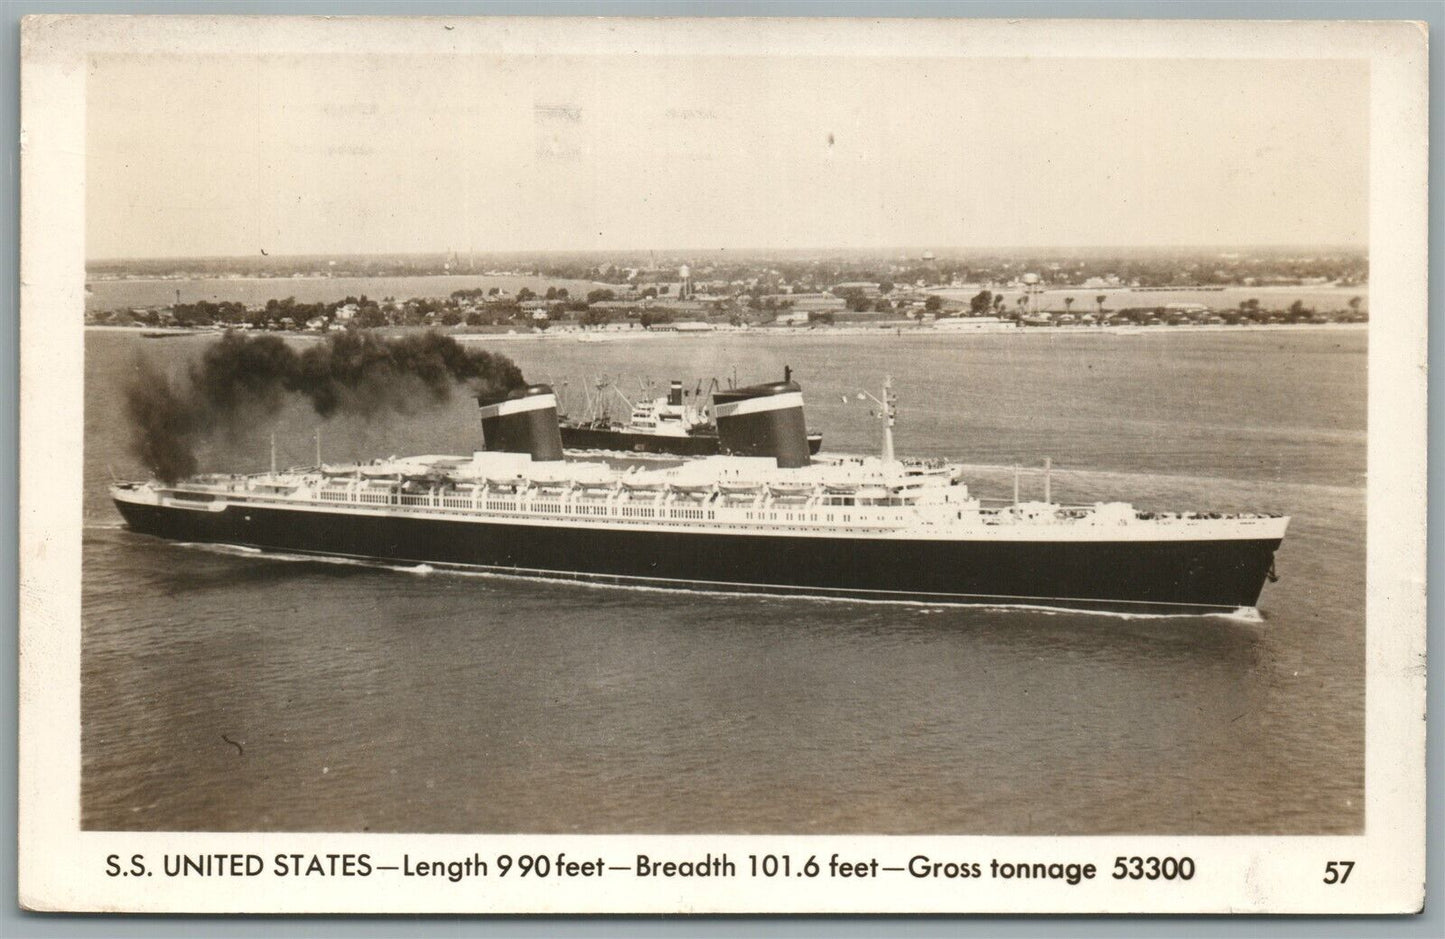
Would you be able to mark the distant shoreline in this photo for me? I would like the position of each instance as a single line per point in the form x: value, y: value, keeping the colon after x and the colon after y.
x: 772, y: 332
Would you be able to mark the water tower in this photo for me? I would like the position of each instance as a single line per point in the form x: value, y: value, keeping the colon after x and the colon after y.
x: 684, y: 291
x: 1033, y: 287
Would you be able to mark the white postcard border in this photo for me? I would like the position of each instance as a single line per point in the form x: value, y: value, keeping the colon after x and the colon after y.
x: 62, y: 867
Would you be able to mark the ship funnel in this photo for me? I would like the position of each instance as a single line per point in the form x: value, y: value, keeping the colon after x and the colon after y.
x: 674, y: 394
x: 763, y: 420
x: 523, y: 421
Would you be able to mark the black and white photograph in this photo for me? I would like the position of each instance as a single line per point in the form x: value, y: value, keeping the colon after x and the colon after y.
x: 722, y: 466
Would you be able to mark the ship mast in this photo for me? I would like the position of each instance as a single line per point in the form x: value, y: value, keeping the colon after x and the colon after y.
x: 889, y: 412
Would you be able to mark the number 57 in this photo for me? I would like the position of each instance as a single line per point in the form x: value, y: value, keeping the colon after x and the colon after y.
x: 1337, y: 872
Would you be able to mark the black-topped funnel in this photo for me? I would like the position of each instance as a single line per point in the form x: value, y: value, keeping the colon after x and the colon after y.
x: 763, y: 420
x: 522, y: 421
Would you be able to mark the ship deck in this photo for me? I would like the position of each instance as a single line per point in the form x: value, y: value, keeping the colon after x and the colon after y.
x: 638, y: 501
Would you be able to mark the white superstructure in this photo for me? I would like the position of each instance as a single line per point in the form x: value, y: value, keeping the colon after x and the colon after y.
x: 854, y: 497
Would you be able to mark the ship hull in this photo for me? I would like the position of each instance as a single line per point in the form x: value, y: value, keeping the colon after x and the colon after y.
x: 592, y: 438
x: 1130, y: 576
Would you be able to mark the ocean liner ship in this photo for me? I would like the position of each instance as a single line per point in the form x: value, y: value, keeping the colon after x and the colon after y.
x: 768, y: 518
x: 665, y: 425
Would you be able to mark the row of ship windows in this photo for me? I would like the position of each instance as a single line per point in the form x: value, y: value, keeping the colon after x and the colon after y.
x: 626, y: 511
x: 597, y: 510
x: 550, y: 508
x: 603, y: 510
x: 386, y: 498
x: 579, y: 509
x: 798, y: 516
x: 600, y: 510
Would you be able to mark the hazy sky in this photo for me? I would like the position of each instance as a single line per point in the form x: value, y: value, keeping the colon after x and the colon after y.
x: 229, y: 155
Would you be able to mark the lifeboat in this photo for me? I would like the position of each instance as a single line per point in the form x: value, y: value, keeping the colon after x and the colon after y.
x: 694, y: 489
x: 739, y: 489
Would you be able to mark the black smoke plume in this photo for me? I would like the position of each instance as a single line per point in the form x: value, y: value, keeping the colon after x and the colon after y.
x: 242, y: 380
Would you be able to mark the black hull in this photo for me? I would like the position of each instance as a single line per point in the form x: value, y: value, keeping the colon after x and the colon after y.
x: 1168, y: 577
x: 592, y: 438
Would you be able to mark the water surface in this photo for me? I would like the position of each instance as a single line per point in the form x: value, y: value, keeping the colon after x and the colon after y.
x: 369, y: 698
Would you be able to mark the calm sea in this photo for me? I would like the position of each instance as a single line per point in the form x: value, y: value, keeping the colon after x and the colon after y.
x: 367, y: 698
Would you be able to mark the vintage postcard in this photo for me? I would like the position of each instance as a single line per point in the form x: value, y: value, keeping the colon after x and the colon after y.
x: 548, y: 465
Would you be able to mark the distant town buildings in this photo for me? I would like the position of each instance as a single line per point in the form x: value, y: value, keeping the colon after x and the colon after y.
x: 699, y: 292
